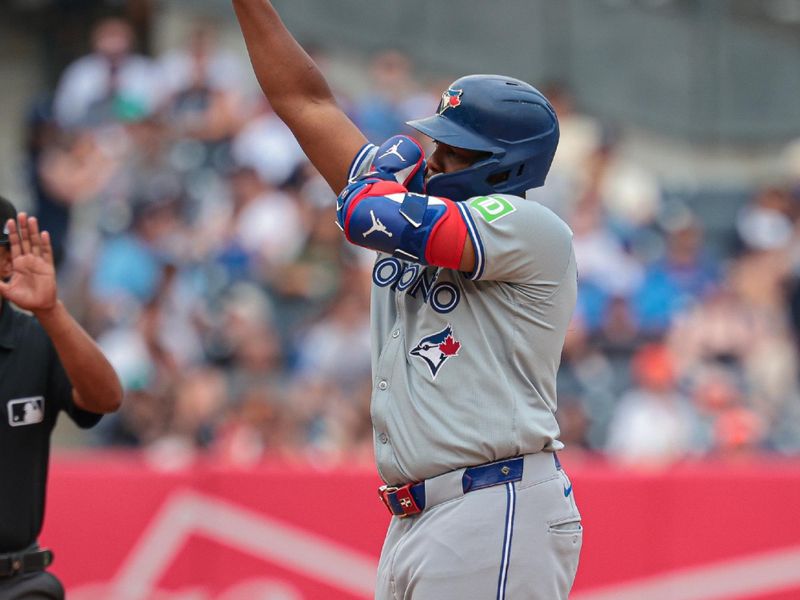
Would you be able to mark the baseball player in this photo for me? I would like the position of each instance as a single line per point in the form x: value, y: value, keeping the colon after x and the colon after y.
x: 473, y: 290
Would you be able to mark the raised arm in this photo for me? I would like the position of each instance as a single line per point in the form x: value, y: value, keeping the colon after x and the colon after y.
x: 95, y: 385
x: 298, y: 92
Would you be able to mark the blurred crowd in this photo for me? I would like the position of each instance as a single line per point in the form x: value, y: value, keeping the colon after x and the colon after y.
x: 197, y: 243
x: 683, y: 344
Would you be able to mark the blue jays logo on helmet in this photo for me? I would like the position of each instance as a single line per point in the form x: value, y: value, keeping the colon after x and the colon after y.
x: 450, y: 99
x: 435, y: 349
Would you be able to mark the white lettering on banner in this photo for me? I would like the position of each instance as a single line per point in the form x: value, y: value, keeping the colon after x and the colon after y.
x: 744, y: 577
x: 250, y: 589
x: 187, y: 513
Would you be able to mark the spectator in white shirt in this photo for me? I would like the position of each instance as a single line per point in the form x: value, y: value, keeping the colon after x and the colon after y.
x: 96, y: 86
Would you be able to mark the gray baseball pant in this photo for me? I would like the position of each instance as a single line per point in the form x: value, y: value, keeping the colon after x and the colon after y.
x: 512, y: 541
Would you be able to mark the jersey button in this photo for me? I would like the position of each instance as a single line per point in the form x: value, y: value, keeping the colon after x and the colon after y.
x: 383, y: 438
x: 396, y: 333
x: 383, y: 384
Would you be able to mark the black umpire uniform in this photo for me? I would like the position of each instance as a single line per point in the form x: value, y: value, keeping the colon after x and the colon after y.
x: 34, y: 388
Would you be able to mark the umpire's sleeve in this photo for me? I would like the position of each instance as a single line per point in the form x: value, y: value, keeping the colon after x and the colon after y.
x: 59, y: 390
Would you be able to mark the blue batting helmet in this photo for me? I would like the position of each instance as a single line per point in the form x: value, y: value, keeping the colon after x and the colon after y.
x: 509, y: 120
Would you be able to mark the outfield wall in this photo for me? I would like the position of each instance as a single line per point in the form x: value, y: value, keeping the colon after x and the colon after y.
x: 123, y: 530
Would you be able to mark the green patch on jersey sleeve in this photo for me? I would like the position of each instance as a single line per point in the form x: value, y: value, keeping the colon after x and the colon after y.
x: 492, y: 208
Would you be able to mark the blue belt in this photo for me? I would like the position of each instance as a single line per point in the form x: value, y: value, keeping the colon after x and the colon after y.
x: 409, y: 499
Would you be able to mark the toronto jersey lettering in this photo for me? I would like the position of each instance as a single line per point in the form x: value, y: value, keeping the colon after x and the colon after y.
x: 464, y: 364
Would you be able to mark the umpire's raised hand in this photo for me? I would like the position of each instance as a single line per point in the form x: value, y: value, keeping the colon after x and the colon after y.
x: 32, y: 285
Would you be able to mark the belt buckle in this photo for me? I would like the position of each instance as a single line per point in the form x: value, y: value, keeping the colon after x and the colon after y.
x: 386, y: 488
x: 383, y: 493
x: 10, y: 565
x: 405, y: 502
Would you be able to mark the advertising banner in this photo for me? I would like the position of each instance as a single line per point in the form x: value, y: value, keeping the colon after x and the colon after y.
x: 122, y: 529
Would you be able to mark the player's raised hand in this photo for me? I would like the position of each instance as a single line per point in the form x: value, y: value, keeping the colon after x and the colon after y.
x: 33, y: 279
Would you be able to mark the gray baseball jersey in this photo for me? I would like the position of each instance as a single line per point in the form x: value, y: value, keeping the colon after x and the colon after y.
x: 464, y: 364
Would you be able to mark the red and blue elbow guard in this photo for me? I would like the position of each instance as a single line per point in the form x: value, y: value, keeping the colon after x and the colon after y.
x: 384, y: 216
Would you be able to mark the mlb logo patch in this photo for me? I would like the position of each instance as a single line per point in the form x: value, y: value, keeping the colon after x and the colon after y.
x: 25, y: 411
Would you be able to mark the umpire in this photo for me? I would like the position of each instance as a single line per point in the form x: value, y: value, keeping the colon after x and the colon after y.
x: 48, y: 363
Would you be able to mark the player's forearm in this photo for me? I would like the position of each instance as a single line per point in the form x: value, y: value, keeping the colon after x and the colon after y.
x: 92, y: 377
x: 283, y: 69
x: 298, y: 92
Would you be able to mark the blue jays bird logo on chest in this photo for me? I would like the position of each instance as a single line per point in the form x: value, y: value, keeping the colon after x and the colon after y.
x: 434, y: 350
